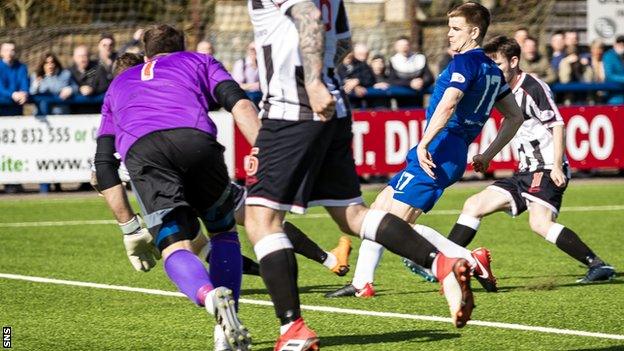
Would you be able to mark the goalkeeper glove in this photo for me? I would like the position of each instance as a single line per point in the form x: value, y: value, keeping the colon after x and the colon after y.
x: 139, y: 244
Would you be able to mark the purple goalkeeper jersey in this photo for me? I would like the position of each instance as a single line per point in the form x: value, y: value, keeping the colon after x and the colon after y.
x: 170, y: 91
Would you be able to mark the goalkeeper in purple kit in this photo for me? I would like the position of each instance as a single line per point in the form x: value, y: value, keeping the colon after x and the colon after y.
x: 155, y: 115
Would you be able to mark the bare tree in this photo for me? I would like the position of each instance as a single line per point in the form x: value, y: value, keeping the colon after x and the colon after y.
x: 2, y: 18
x: 20, y: 8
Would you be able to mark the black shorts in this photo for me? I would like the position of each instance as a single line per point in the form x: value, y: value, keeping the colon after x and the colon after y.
x: 295, y: 165
x: 537, y: 187
x: 181, y: 169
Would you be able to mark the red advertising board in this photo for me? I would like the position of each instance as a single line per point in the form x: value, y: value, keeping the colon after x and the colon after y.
x: 381, y: 139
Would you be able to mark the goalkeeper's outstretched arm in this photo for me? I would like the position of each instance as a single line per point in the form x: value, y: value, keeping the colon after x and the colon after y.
x: 137, y: 240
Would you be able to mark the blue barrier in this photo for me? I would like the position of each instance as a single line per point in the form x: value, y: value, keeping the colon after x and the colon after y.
x: 586, y: 87
x: 399, y: 91
x: 44, y: 101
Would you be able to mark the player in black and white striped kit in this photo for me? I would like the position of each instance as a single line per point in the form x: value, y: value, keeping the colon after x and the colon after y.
x: 543, y: 172
x: 281, y: 64
x: 303, y: 157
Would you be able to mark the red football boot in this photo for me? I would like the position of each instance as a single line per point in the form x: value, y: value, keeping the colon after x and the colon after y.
x: 483, y: 271
x: 454, y: 275
x: 298, y: 338
x: 366, y: 292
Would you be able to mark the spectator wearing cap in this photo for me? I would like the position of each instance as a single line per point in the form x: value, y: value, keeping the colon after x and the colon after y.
x: 409, y: 69
x: 531, y: 61
x: 104, y: 70
x: 613, y: 61
x: 14, y: 84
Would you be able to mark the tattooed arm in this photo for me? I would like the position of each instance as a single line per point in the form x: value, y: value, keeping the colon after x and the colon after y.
x: 307, y: 18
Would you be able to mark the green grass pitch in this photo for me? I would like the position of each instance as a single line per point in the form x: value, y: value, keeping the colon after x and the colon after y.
x: 536, y: 282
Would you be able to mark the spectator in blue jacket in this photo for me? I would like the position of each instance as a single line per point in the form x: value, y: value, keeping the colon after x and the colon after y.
x: 13, y: 81
x: 51, y: 79
x: 613, y: 61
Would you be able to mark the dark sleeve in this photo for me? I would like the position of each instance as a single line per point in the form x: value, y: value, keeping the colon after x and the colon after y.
x: 228, y: 93
x: 366, y: 76
x: 24, y: 81
x: 101, y: 80
x: 106, y: 164
x: 342, y: 71
x: 427, y: 77
x: 394, y: 79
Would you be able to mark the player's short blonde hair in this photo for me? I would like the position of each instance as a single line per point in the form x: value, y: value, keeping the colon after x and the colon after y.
x: 475, y: 14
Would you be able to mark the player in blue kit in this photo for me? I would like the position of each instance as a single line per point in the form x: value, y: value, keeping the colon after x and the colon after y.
x: 462, y: 100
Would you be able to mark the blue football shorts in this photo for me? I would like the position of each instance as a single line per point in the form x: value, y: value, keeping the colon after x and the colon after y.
x: 414, y: 187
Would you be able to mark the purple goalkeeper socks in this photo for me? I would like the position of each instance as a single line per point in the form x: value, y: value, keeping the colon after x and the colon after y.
x: 226, y: 262
x: 188, y: 273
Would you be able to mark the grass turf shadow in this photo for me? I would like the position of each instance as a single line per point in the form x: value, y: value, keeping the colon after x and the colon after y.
x: 608, y: 348
x: 312, y: 289
x: 367, y: 339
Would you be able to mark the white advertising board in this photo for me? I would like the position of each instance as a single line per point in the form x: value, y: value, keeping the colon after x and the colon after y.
x: 60, y: 149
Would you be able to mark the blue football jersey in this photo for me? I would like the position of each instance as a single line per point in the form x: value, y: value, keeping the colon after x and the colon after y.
x: 482, y: 83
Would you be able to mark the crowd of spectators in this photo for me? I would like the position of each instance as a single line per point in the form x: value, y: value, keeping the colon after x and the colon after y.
x: 567, y: 62
x: 52, y: 88
x: 405, y: 69
x: 371, y: 80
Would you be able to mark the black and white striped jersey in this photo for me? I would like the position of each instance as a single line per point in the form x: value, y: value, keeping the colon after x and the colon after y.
x: 279, y: 60
x: 534, y: 139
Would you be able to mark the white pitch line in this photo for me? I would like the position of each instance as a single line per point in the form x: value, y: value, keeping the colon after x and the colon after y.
x: 327, y: 309
x: 457, y: 212
x: 308, y: 216
x: 56, y: 223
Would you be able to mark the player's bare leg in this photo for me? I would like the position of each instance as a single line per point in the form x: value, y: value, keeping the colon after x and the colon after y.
x: 477, y: 206
x: 399, y: 237
x: 542, y: 222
